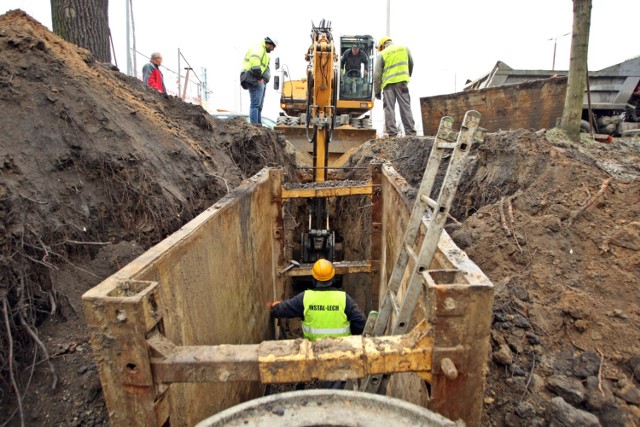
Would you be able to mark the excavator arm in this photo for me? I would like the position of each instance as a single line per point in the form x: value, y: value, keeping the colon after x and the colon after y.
x: 348, y: 96
x: 321, y: 97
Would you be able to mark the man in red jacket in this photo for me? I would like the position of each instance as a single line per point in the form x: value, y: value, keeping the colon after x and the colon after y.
x: 152, y: 75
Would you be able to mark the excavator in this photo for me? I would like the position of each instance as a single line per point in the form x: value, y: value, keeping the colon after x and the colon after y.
x: 329, y: 93
x: 326, y: 115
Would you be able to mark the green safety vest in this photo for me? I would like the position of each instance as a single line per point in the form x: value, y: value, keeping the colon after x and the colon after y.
x: 257, y: 56
x: 396, y: 65
x: 324, y: 315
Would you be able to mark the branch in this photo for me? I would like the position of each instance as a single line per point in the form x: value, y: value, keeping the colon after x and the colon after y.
x: 589, y: 202
x: 600, y: 372
x: 14, y: 385
x: 503, y: 219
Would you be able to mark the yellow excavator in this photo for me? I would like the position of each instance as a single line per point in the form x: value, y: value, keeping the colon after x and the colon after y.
x: 327, y: 113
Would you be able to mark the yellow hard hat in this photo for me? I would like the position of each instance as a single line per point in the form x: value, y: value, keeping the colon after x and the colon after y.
x: 382, y: 42
x: 323, y: 270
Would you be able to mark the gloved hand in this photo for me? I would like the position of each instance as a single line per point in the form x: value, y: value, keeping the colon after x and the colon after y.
x: 378, y: 96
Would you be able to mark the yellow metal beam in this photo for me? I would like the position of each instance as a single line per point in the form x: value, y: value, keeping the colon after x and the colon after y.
x: 355, y: 190
x: 294, y: 360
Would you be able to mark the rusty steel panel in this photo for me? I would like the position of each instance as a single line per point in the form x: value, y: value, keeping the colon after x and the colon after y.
x: 377, y: 205
x: 118, y: 315
x: 535, y: 104
x: 215, y: 282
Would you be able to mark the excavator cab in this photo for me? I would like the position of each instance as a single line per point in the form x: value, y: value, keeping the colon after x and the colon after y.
x: 356, y: 84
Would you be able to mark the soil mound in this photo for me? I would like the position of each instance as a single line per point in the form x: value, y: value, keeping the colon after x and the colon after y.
x: 95, y: 167
x: 554, y: 224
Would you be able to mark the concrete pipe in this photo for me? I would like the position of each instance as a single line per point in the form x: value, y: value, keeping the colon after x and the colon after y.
x: 328, y: 408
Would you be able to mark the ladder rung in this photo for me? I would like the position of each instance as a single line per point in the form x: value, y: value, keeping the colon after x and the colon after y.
x: 410, y: 251
x: 446, y: 145
x: 429, y: 201
x: 393, y: 297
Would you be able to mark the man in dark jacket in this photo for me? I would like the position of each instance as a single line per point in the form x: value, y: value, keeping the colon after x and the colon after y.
x: 325, y: 311
x: 352, y: 60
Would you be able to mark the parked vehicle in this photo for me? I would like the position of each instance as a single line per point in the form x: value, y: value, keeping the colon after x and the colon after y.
x: 611, y: 101
x: 266, y: 122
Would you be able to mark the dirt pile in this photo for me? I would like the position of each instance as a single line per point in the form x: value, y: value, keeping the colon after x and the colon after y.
x: 554, y: 224
x: 95, y: 167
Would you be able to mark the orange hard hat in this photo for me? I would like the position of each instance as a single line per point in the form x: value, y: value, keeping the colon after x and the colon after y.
x: 323, y: 270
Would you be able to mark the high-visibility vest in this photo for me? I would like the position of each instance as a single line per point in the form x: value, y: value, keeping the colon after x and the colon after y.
x: 396, y: 65
x: 256, y: 56
x: 324, y: 314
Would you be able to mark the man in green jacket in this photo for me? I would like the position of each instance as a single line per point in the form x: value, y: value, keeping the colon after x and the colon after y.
x: 255, y: 75
x: 391, y: 76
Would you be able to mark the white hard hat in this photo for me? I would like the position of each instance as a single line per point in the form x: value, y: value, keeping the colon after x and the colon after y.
x: 271, y: 40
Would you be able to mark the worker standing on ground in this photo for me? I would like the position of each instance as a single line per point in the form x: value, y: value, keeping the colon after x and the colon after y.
x: 391, y: 77
x: 325, y: 311
x: 352, y: 60
x: 152, y: 75
x: 255, y: 75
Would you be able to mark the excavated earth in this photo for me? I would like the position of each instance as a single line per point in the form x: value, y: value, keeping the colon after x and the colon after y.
x: 96, y: 167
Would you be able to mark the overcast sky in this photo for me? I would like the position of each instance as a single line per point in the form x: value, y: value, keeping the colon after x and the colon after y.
x: 451, y: 41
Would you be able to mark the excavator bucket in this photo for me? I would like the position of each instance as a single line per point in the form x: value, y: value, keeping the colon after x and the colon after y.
x: 344, y: 139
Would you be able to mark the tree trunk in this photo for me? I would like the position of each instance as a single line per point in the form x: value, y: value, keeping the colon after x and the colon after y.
x: 84, y: 23
x: 572, y: 113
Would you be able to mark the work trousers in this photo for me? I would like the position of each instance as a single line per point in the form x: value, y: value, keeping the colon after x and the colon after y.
x: 256, y: 101
x: 397, y: 92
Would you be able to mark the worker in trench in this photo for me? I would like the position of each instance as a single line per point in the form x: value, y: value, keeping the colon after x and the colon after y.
x: 325, y: 310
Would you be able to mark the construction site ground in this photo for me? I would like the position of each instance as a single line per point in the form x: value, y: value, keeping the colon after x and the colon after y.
x: 96, y: 168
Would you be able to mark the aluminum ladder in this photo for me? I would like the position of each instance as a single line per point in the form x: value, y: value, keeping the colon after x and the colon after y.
x: 454, y: 147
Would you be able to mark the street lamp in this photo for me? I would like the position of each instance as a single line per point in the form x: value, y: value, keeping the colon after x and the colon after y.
x: 555, y: 44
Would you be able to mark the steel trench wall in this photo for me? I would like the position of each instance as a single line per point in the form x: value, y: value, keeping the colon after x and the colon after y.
x: 209, y: 283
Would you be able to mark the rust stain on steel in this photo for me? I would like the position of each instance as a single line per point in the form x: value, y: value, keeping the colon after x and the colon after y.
x: 345, y: 357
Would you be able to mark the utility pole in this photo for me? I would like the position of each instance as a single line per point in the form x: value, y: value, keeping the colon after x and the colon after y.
x: 388, y: 18
x: 128, y: 39
x: 555, y: 45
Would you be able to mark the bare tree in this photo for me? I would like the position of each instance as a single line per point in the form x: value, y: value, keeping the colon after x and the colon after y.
x: 572, y: 113
x: 85, y: 23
